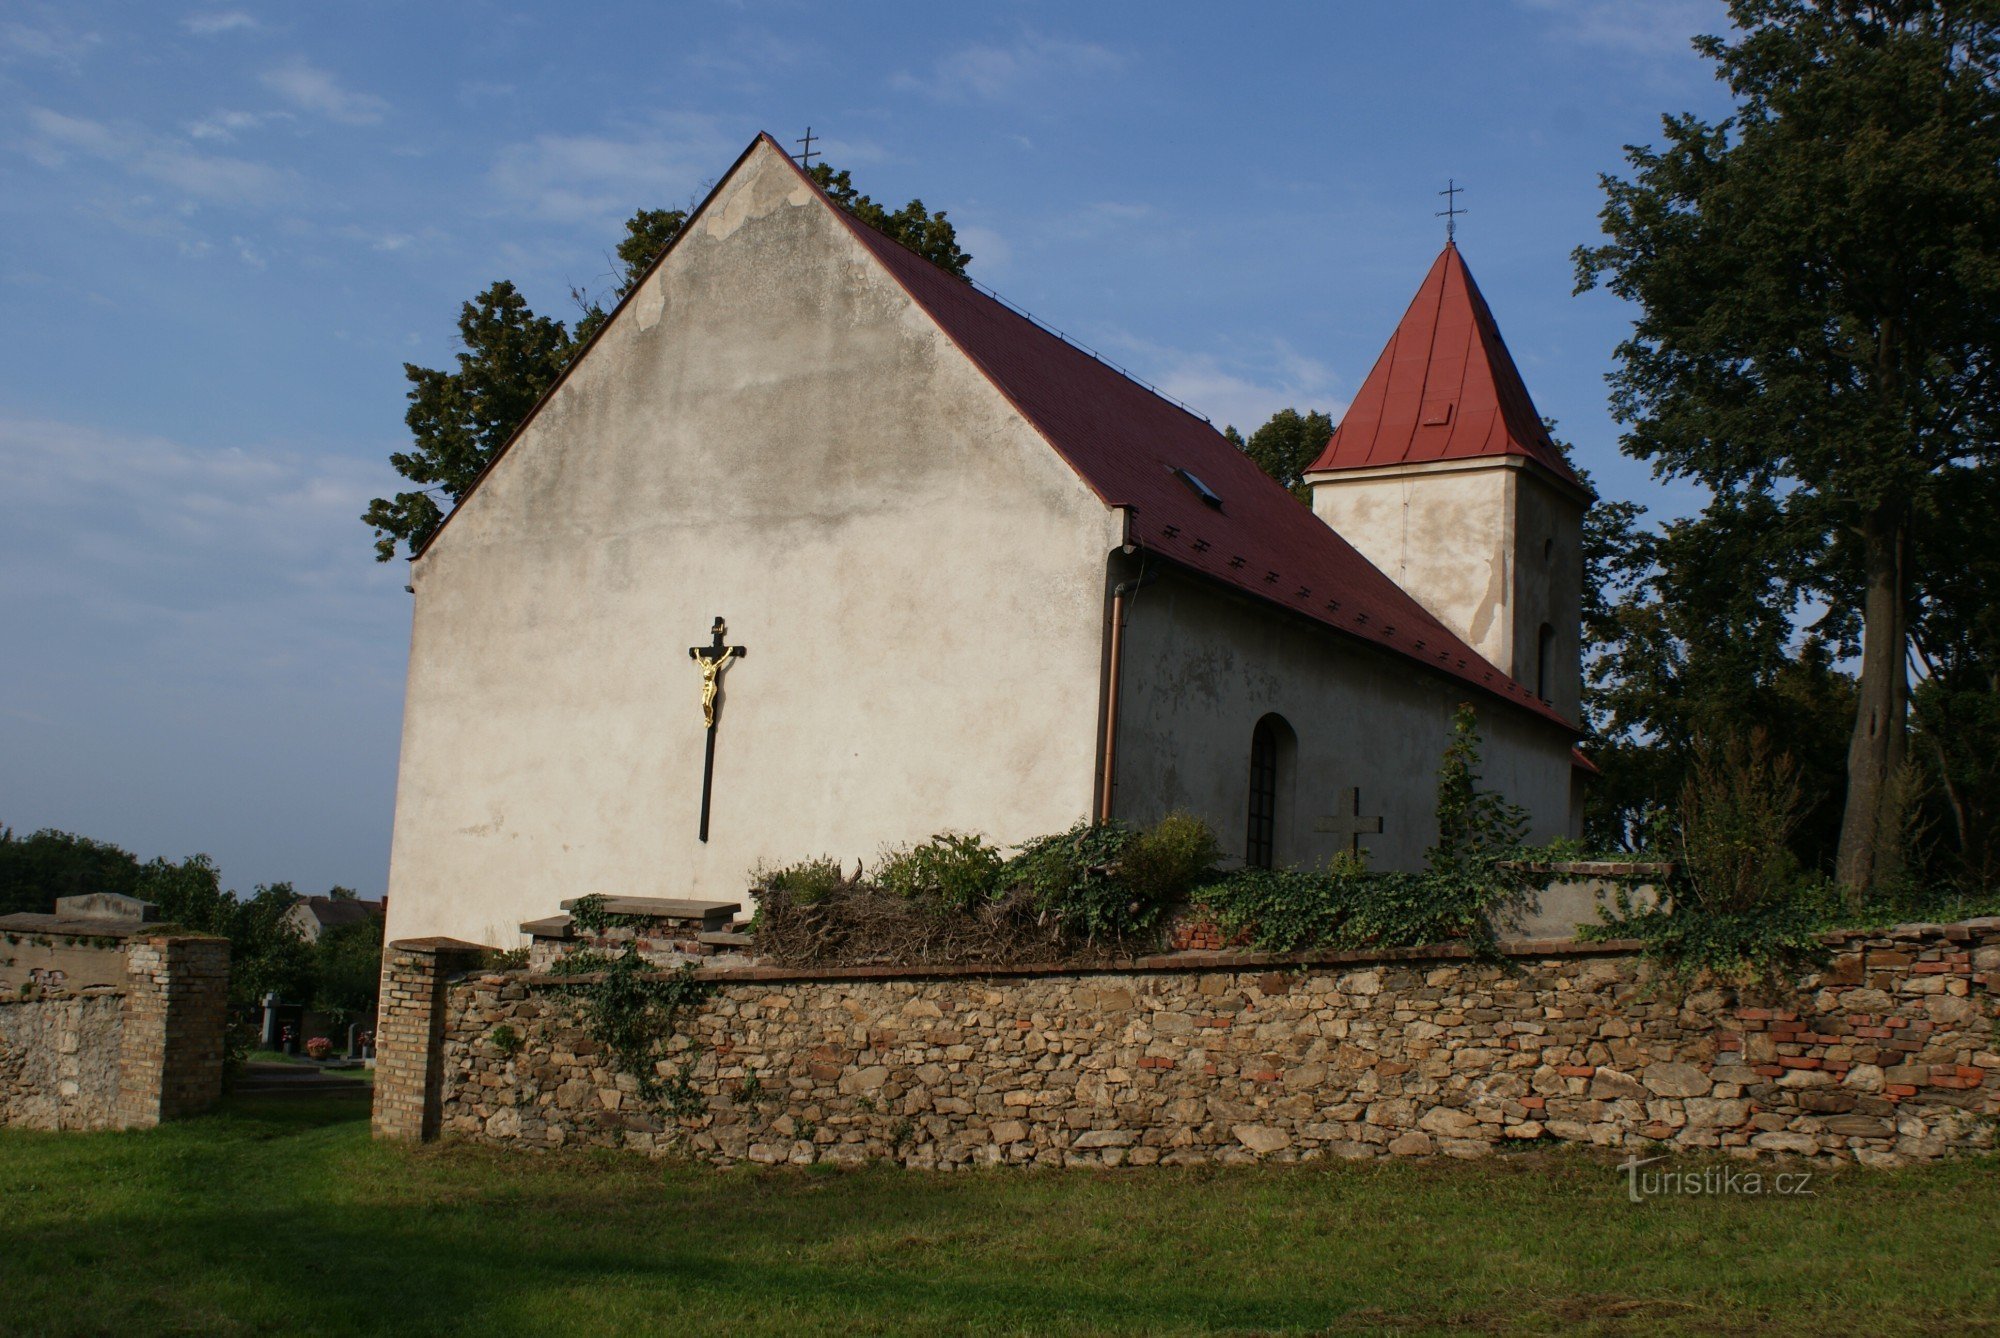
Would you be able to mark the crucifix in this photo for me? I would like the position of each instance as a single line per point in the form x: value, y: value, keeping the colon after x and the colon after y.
x: 807, y: 155
x: 1348, y: 821
x: 1452, y: 190
x: 711, y: 659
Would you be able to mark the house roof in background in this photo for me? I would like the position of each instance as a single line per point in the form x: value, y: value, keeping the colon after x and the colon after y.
x: 332, y: 911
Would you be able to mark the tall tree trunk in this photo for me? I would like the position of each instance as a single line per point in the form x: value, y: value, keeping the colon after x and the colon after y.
x: 1871, y: 826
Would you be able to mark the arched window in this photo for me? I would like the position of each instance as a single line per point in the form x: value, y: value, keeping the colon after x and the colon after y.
x: 1262, y: 843
x: 1545, y: 651
x: 1272, y: 747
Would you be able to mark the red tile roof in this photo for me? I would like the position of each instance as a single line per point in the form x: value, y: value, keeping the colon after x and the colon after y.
x: 1445, y: 388
x: 1126, y: 443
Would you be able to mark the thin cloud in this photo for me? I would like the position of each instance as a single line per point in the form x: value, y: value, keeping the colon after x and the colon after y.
x: 1105, y: 218
x: 221, y: 21
x: 1239, y: 387
x: 56, y: 139
x: 311, y: 89
x: 989, y: 73
x: 583, y: 178
x: 128, y: 516
x: 189, y: 613
x: 226, y: 125
x: 50, y: 41
x: 1647, y: 28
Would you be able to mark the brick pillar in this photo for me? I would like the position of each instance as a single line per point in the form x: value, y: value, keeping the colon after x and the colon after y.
x: 409, y: 1033
x: 176, y: 1013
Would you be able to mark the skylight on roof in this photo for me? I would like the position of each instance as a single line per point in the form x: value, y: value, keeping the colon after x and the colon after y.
x: 1201, y: 490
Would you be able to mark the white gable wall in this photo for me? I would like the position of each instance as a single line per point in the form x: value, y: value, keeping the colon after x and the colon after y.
x: 772, y: 431
x: 1202, y: 665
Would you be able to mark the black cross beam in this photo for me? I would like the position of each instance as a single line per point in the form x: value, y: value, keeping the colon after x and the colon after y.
x: 1452, y: 190
x: 712, y: 658
x: 1348, y: 821
x: 806, y: 158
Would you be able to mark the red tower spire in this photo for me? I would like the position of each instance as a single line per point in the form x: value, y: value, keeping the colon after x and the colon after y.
x: 1445, y: 388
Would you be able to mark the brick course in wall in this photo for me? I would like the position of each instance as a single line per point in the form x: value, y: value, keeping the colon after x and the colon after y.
x: 1886, y: 1057
x: 176, y: 1019
x: 409, y: 1033
x: 120, y: 1058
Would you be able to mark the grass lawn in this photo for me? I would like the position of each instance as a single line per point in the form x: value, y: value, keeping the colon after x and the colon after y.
x: 280, y: 1215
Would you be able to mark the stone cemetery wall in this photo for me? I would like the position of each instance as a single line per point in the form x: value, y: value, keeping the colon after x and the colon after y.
x: 1888, y: 1056
x: 114, y: 1056
x: 59, y: 1059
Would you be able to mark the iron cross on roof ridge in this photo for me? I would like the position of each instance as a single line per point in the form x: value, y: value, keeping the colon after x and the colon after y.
x: 806, y: 154
x: 1452, y: 190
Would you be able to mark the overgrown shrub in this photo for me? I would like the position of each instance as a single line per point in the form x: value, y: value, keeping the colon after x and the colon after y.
x: 805, y: 882
x: 1476, y: 827
x: 1474, y: 872
x: 1738, y: 811
x: 953, y: 871
x: 1738, y: 905
x: 1067, y: 878
x: 1162, y: 864
x: 855, y: 922
x: 1347, y: 906
x: 1078, y: 894
x: 1285, y: 910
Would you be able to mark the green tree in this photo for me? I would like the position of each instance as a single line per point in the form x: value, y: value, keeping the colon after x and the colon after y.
x: 648, y: 234
x: 189, y: 894
x: 347, y: 969
x: 1818, y: 278
x: 38, y: 868
x: 1475, y: 825
x: 1691, y: 642
x: 460, y: 419
x: 1286, y: 446
x: 929, y: 234
x: 267, y: 953
x: 1956, y: 704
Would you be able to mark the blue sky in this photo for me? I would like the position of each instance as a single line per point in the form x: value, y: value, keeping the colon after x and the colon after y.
x: 224, y: 229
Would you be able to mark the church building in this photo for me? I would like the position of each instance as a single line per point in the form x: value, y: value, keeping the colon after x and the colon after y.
x: 817, y: 549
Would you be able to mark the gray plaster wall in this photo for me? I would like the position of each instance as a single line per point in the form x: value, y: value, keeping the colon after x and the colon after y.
x: 772, y: 431
x: 1202, y: 666
x: 1548, y: 537
x: 59, y: 962
x: 1491, y: 548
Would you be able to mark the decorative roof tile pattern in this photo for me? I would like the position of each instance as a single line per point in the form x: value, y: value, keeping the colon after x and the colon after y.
x: 1137, y: 450
x: 1445, y: 388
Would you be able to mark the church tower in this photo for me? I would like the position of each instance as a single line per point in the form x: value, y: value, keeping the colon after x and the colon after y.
x: 1444, y: 477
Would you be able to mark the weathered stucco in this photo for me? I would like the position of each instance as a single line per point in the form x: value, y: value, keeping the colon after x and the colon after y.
x: 1202, y: 666
x: 770, y: 430
x: 1489, y: 546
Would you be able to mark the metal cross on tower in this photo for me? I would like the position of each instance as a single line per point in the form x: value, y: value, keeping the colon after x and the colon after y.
x: 711, y: 659
x: 806, y: 154
x: 1452, y: 190
x: 1348, y: 822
